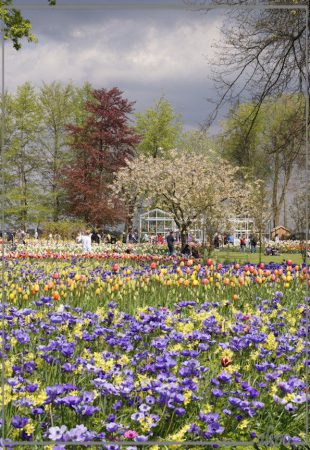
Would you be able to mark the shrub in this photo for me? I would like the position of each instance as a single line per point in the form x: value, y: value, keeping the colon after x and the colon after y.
x: 66, y: 229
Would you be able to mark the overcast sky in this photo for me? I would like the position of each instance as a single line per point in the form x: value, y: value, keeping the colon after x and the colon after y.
x: 144, y: 52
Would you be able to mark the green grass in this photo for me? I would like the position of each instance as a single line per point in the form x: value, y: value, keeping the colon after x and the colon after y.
x: 237, y: 256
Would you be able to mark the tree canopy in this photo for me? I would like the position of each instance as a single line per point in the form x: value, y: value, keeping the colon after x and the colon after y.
x: 101, y: 146
x: 187, y: 186
x: 160, y: 129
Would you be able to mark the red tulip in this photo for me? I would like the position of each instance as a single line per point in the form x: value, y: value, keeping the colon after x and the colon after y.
x: 226, y: 361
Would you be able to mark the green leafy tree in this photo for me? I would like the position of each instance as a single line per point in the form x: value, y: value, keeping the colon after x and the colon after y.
x: 81, y: 95
x: 240, y: 146
x: 23, y: 159
x: 160, y: 129
x: 57, y: 104
x: 15, y: 26
x: 273, y: 147
x: 283, y: 142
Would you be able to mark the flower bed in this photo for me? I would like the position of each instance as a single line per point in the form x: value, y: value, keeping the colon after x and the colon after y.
x: 152, y: 352
x: 204, y: 371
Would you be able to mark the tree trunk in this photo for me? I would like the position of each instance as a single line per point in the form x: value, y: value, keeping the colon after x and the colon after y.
x: 275, y: 209
x: 55, y: 178
x: 129, y: 218
x: 210, y: 245
x: 284, y: 211
x: 183, y: 233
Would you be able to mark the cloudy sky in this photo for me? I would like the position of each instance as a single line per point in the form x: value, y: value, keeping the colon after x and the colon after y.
x: 145, y: 52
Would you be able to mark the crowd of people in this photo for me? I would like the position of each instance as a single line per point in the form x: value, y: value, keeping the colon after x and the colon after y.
x: 89, y: 237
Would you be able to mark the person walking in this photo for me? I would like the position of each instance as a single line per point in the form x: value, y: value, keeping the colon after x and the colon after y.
x: 95, y: 237
x: 242, y: 244
x: 85, y: 239
x: 216, y: 241
x: 170, y: 242
x: 253, y: 244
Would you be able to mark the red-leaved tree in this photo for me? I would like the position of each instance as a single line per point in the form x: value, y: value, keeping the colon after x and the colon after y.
x: 100, y: 147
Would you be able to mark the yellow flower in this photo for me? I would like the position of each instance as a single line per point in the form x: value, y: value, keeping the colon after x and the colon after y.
x: 118, y: 379
x: 289, y: 397
x: 254, y: 355
x: 271, y: 342
x: 176, y: 348
x: 227, y: 353
x: 178, y: 436
x: 29, y: 428
x: 7, y: 394
x: 207, y: 408
x: 39, y: 398
x: 123, y: 360
x: 299, y: 346
x: 187, y: 397
x: 232, y: 368
x: 8, y: 371
x: 243, y: 424
x: 273, y: 389
x: 146, y: 423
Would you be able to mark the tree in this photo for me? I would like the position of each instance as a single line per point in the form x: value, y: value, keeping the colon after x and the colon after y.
x: 15, y: 26
x: 187, y: 186
x: 81, y: 95
x: 283, y: 140
x: 100, y: 148
x: 56, y: 103
x: 298, y: 210
x: 273, y: 147
x: 259, y: 208
x: 242, y: 147
x: 264, y: 52
x: 199, y: 142
x: 23, y: 158
x: 300, y: 214
x: 159, y: 128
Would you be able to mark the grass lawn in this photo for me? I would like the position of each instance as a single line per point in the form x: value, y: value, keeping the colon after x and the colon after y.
x: 236, y: 256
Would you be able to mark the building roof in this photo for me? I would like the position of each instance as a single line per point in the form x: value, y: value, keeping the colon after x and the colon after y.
x: 156, y: 214
x: 280, y: 227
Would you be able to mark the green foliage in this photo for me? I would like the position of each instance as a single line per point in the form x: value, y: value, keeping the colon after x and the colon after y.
x: 80, y: 97
x: 273, y: 147
x: 66, y: 229
x: 36, y: 148
x: 58, y: 104
x: 23, y: 159
x: 239, y: 146
x: 16, y: 27
x: 198, y: 142
x: 160, y: 129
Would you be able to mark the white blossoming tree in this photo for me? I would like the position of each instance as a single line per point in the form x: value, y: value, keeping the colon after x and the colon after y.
x: 186, y: 185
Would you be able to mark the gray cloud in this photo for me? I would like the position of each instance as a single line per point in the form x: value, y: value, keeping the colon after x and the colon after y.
x: 146, y: 53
